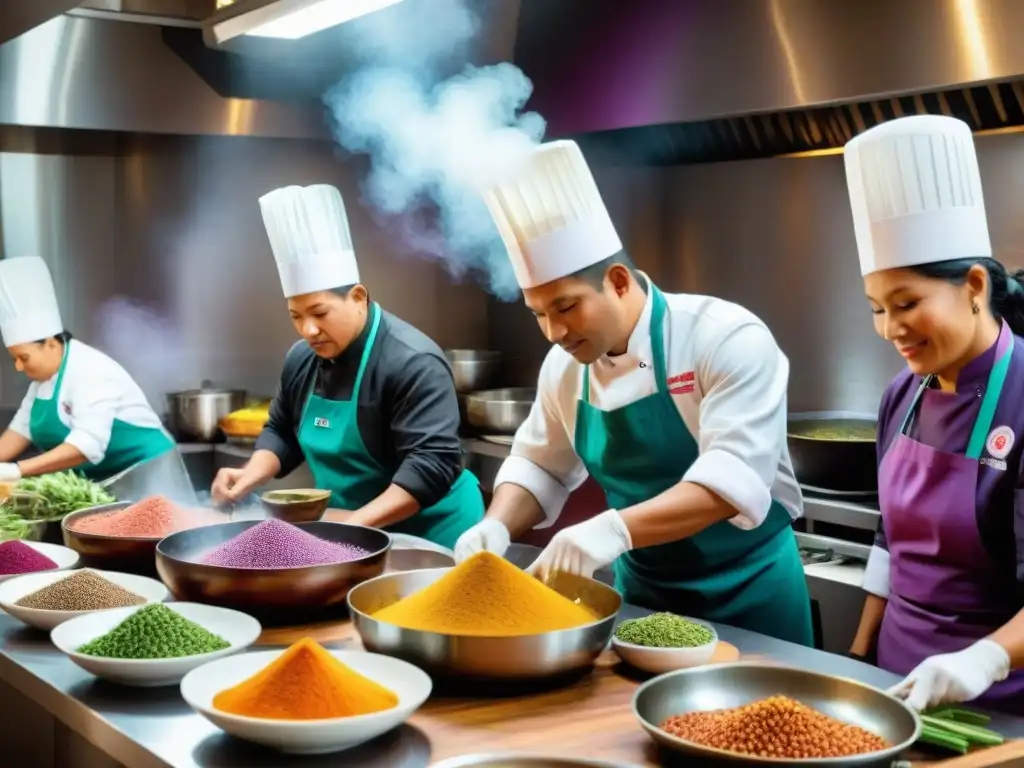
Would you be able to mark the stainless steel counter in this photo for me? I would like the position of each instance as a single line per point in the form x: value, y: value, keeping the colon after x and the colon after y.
x: 154, y: 728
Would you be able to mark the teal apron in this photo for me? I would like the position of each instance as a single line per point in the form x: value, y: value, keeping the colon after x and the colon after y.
x: 129, y: 443
x: 334, y: 449
x: 751, y: 579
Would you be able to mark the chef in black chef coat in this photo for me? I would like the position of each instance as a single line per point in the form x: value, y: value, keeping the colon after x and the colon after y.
x: 365, y: 399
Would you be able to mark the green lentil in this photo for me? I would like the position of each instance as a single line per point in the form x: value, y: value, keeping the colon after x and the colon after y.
x: 154, y: 632
x: 663, y: 630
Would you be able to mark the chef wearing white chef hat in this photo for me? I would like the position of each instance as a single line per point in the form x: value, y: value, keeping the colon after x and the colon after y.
x: 365, y: 399
x: 82, y: 409
x: 675, y: 404
x: 944, y: 578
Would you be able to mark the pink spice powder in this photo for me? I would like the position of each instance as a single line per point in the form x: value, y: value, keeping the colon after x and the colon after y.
x: 152, y: 518
x: 17, y: 557
x: 276, y: 544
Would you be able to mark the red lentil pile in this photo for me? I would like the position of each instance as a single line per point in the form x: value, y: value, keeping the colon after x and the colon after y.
x: 152, y: 518
x: 776, y: 727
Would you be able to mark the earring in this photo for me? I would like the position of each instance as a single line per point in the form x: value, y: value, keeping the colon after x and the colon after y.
x: 975, y: 309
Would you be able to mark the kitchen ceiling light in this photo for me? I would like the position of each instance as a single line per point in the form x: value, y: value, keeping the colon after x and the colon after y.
x: 286, y: 19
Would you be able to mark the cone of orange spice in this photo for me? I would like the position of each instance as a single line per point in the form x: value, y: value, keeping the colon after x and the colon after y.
x: 306, y: 682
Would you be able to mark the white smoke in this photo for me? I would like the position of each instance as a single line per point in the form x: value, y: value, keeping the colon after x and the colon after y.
x: 435, y: 143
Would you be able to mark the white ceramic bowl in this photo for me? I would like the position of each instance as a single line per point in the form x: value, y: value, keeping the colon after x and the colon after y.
x: 13, y: 590
x: 64, y: 557
x: 239, y: 629
x: 661, y: 660
x: 308, y: 737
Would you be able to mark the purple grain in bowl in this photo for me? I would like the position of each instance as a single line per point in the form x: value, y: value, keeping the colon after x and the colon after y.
x: 271, y: 566
x: 276, y: 544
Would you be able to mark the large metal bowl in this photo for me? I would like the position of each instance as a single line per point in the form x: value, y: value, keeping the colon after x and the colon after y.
x: 500, y: 411
x: 128, y: 554
x: 724, y: 686
x: 195, y: 414
x: 497, y: 658
x: 262, y: 589
x: 473, y: 369
x: 514, y: 760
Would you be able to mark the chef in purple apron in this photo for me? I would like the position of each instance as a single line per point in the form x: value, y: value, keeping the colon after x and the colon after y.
x: 945, y: 576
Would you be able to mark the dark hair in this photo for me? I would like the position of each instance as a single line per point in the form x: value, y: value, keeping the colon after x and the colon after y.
x: 63, y: 337
x: 343, y: 291
x: 1006, y: 296
x: 594, y: 274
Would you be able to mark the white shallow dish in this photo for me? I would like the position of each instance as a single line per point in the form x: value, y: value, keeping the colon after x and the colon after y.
x: 15, y: 589
x: 239, y: 629
x: 661, y: 660
x: 308, y: 737
x: 64, y: 557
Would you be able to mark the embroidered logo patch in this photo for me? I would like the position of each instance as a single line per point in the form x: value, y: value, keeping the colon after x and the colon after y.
x: 682, y: 383
x: 320, y: 421
x: 1000, y: 442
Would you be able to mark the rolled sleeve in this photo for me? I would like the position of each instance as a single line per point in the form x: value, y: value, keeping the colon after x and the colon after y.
x: 92, y: 420
x: 543, y: 460
x: 22, y: 421
x: 876, y: 573
x: 742, y: 421
x: 425, y: 429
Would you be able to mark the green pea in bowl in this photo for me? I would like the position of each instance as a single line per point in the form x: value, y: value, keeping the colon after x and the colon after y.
x: 645, y: 642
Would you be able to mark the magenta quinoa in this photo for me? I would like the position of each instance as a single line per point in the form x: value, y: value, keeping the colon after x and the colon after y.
x: 16, y: 557
x: 276, y: 544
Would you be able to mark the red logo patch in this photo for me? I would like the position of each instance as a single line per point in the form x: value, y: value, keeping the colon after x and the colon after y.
x: 682, y: 383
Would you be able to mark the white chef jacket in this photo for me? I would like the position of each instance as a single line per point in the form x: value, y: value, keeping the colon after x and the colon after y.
x: 728, y: 379
x: 95, y: 391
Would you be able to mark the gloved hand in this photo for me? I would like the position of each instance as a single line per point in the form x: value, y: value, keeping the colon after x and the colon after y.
x: 9, y: 473
x: 488, y: 535
x: 954, y: 677
x: 583, y: 548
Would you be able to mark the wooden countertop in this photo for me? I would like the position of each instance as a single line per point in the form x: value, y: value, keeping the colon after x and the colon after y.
x: 591, y: 718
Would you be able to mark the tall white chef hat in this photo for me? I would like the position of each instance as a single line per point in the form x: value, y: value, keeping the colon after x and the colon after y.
x: 915, y: 190
x: 551, y: 216
x: 310, y: 238
x: 28, y: 303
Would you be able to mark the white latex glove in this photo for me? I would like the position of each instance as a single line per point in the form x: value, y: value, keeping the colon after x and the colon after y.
x: 488, y: 534
x: 9, y: 473
x: 583, y: 548
x: 954, y: 677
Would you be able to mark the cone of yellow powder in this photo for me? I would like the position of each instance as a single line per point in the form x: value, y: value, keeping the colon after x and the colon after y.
x: 306, y: 682
x: 486, y: 596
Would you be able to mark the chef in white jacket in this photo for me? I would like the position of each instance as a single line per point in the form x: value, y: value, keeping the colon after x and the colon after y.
x: 83, y: 411
x: 675, y: 404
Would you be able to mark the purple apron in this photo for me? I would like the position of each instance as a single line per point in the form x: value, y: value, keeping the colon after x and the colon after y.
x: 944, y: 590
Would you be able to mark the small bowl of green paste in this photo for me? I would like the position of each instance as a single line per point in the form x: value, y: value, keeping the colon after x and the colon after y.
x: 663, y: 642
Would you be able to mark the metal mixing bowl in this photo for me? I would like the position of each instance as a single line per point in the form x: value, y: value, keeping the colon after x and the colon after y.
x: 314, y: 586
x: 473, y: 368
x: 724, y: 686
x: 500, y: 411
x: 499, y: 658
x: 514, y: 760
x: 128, y: 554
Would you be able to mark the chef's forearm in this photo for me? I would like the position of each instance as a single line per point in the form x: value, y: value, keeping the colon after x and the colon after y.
x: 675, y: 514
x: 392, y: 506
x: 870, y: 621
x: 64, y: 456
x: 262, y: 467
x: 12, y: 445
x: 1011, y: 637
x: 516, y: 508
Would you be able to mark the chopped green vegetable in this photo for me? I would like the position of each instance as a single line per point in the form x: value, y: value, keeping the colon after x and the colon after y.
x: 13, y: 526
x: 64, y: 492
x: 973, y: 733
x: 961, y: 715
x: 664, y: 630
x: 939, y: 738
x: 957, y: 729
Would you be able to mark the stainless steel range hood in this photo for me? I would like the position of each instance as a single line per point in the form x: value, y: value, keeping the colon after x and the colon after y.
x: 695, y: 81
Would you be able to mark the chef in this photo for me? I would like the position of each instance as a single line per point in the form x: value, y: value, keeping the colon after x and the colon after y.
x: 675, y: 404
x: 944, y: 579
x: 365, y: 399
x: 83, y: 411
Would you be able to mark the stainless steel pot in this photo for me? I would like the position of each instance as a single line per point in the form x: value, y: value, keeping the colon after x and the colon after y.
x: 500, y: 411
x: 193, y: 415
x: 474, y: 369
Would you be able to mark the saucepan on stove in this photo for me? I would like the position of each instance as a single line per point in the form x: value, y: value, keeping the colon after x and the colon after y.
x: 834, y: 451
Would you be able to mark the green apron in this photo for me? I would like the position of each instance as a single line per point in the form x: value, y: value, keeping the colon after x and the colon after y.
x: 334, y: 449
x: 751, y: 579
x: 129, y: 443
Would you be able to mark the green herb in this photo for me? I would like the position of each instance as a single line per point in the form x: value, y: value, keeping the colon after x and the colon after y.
x: 664, y: 630
x: 154, y: 632
x: 12, y: 525
x: 958, y: 729
x: 65, y: 492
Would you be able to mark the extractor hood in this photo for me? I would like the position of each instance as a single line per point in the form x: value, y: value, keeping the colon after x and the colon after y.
x: 695, y: 81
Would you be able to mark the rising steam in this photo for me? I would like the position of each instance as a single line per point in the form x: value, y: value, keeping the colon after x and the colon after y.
x: 434, y: 143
